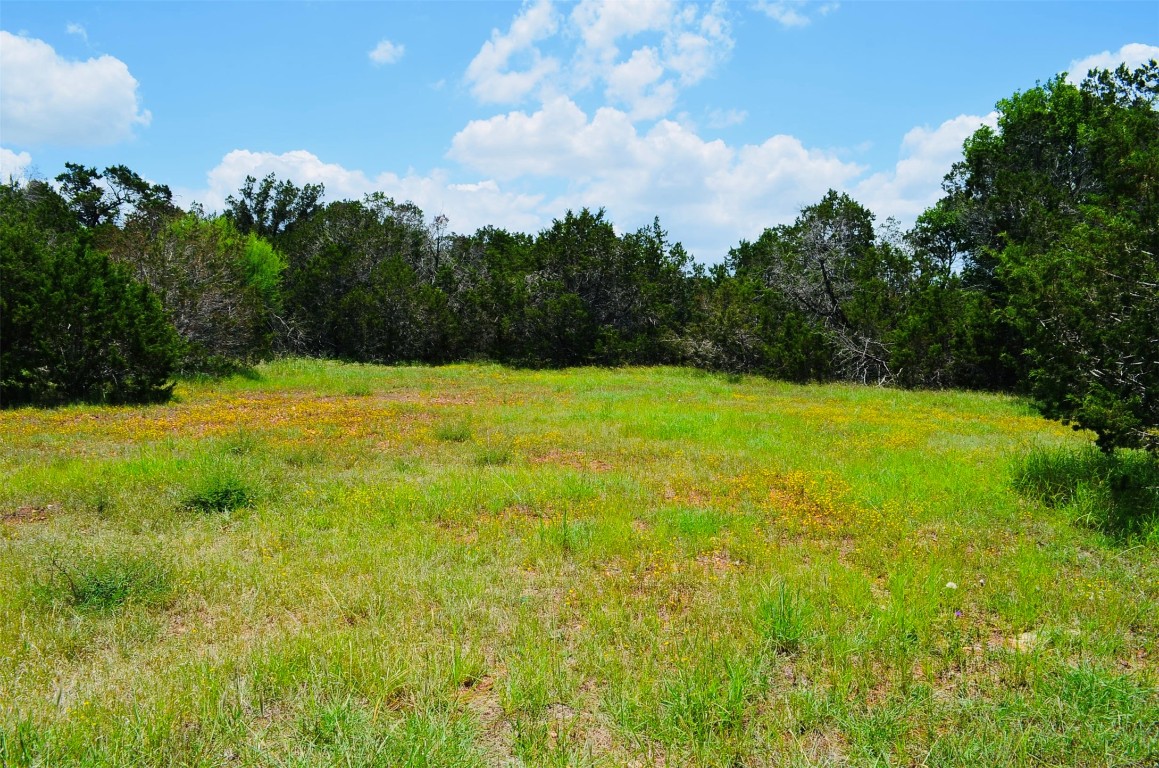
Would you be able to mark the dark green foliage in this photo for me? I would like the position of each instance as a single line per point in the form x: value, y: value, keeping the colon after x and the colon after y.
x: 745, y: 327
x: 272, y: 208
x: 943, y: 337
x: 109, y: 197
x: 220, y: 497
x: 73, y: 325
x: 829, y: 276
x: 353, y: 288
x: 1116, y: 492
x: 1089, y: 309
x: 591, y: 296
x: 1055, y: 216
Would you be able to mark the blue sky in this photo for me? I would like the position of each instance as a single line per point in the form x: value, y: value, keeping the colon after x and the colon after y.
x: 720, y: 118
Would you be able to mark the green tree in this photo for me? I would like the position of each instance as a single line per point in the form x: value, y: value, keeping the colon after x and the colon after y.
x: 220, y: 288
x: 353, y: 288
x: 591, y: 296
x: 830, y: 273
x: 109, y: 197
x: 74, y: 326
x: 271, y: 208
x: 1055, y: 216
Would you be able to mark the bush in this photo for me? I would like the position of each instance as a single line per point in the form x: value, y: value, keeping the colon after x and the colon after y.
x: 221, y: 487
x: 220, y: 494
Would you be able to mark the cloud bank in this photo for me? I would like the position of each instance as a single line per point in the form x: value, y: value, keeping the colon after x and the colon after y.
x: 47, y: 99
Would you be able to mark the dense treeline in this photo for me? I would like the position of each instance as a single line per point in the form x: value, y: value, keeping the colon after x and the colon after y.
x: 1038, y: 271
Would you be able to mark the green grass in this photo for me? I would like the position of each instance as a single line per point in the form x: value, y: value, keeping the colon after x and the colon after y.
x: 331, y: 564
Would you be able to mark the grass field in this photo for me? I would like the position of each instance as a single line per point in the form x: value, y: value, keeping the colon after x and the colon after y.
x: 328, y: 564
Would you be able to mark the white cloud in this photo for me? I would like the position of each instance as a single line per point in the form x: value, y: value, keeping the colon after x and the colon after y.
x: 686, y: 45
x: 635, y: 83
x: 601, y: 23
x: 13, y: 164
x: 489, y: 73
x: 794, y: 13
x: 47, y: 99
x: 914, y: 184
x: 387, y: 52
x: 1131, y: 54
x: 672, y: 45
x: 467, y: 205
x: 725, y: 118
x: 709, y: 193
x: 787, y: 13
x: 73, y: 28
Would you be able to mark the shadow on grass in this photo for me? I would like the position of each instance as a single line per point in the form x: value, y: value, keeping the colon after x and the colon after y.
x: 217, y: 369
x: 1117, y: 493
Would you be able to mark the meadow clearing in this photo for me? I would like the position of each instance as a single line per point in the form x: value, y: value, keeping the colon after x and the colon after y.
x: 331, y: 564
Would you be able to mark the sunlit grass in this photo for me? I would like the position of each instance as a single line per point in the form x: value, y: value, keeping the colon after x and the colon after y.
x: 339, y: 564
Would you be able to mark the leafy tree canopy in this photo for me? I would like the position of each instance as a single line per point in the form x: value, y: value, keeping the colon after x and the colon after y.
x: 1055, y: 214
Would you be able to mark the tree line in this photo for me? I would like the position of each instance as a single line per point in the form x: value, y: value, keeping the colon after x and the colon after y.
x: 1037, y: 272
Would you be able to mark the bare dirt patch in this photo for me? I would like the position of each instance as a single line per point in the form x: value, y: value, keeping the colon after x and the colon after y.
x: 572, y: 459
x: 29, y: 514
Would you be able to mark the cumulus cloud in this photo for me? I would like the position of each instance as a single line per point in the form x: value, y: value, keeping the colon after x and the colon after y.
x: 1131, y: 54
x: 48, y: 99
x: 387, y: 52
x: 490, y: 75
x: 636, y: 82
x: 642, y: 52
x: 467, y: 205
x: 926, y: 155
x: 73, y: 28
x: 680, y: 48
x: 13, y: 164
x: 601, y: 24
x: 715, y: 192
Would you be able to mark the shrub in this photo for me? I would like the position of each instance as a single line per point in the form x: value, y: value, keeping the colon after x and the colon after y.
x: 220, y: 495
x: 458, y: 432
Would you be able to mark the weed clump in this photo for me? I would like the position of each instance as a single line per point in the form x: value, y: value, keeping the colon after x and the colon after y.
x: 1117, y: 493
x: 782, y: 620
x: 106, y: 582
x: 493, y: 456
x: 457, y: 432
x: 221, y: 489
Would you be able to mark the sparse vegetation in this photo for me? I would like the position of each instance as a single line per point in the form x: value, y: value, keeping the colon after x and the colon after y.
x: 657, y: 566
